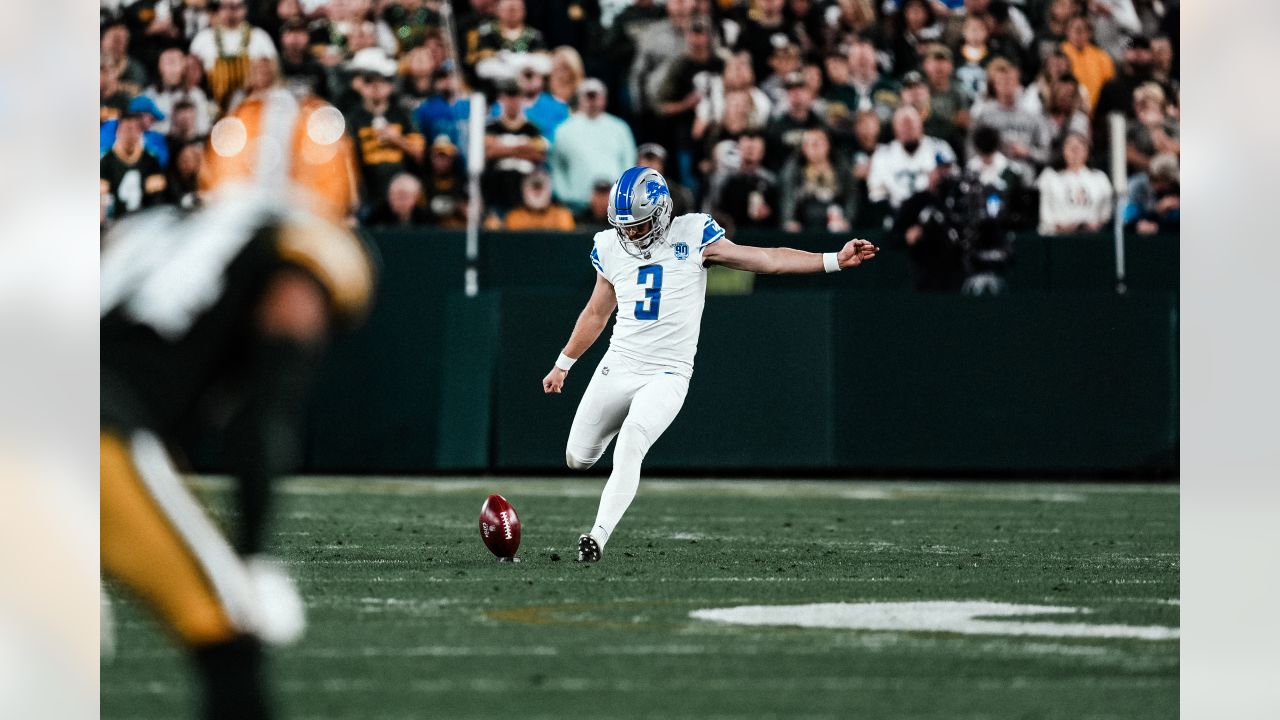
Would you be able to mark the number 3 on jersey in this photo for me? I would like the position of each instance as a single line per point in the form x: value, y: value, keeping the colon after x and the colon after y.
x: 651, y: 278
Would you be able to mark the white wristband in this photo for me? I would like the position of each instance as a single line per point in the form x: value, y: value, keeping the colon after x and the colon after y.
x: 830, y: 262
x: 564, y: 362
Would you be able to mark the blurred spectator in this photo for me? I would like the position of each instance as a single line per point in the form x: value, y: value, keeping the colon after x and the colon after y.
x: 500, y: 46
x: 411, y: 21
x: 537, y: 210
x: 445, y: 111
x: 1136, y: 68
x: 785, y: 132
x: 852, y: 18
x: 1113, y: 20
x: 764, y: 33
x: 916, y: 25
x: 1090, y: 64
x: 721, y: 141
x: 784, y: 61
x: 112, y: 100
x: 749, y: 194
x: 661, y: 41
x: 387, y: 142
x: 130, y: 75
x: 303, y: 74
x: 874, y: 92
x: 738, y: 77
x: 541, y: 107
x: 1155, y: 132
x: 653, y: 155
x: 1053, y: 29
x: 414, y: 84
x: 183, y: 129
x: 686, y: 82
x: 901, y: 168
x: 806, y: 21
x: 946, y: 98
x: 838, y: 92
x: 403, y: 205
x: 816, y: 189
x: 1162, y: 62
x: 1076, y: 198
x: 975, y: 52
x: 348, y: 26
x: 226, y: 48
x: 131, y: 178
x: 1024, y: 137
x: 147, y: 114
x: 154, y: 26
x: 183, y: 179
x: 594, y: 216
x: 513, y: 148
x: 1008, y: 28
x: 590, y: 144
x: 171, y: 89
x: 567, y: 73
x: 866, y: 138
x: 446, y: 186
x: 1065, y: 110
x: 1154, y: 198
x: 915, y: 92
x: 618, y: 54
x: 1037, y: 95
x: 993, y: 169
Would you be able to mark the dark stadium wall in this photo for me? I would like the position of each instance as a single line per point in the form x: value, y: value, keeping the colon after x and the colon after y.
x: 847, y: 374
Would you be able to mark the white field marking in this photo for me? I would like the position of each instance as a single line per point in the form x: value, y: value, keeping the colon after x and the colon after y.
x: 686, y: 536
x: 962, y: 617
x: 589, y: 486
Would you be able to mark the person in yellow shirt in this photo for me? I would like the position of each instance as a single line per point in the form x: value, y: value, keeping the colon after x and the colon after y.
x: 1091, y: 65
x: 538, y: 211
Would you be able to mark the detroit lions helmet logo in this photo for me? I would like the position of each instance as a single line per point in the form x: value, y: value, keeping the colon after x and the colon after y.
x: 682, y: 250
x: 654, y: 189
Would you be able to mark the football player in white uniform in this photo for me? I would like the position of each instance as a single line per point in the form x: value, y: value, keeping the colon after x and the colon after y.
x: 652, y: 269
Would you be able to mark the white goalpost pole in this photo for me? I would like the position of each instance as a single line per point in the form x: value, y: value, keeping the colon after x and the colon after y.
x: 1120, y: 184
x: 475, y: 166
x: 473, y: 139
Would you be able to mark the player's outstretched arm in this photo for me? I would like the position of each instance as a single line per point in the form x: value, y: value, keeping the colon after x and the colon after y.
x: 782, y: 260
x: 591, y: 322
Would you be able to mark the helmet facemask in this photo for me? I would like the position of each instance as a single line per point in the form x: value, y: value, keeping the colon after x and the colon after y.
x: 643, y: 236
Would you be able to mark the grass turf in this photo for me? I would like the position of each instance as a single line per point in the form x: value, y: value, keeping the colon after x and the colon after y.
x: 411, y: 617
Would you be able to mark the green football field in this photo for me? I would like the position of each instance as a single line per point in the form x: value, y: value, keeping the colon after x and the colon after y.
x: 410, y: 617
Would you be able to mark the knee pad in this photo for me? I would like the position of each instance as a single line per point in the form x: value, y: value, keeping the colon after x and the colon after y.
x: 576, y: 462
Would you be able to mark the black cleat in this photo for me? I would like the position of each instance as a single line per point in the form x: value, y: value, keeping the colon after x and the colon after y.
x: 588, y: 549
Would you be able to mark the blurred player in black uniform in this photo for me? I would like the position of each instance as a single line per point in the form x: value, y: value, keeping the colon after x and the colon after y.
x: 240, y: 296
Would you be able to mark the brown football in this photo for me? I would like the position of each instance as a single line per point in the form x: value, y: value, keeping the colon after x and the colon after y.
x: 500, y: 527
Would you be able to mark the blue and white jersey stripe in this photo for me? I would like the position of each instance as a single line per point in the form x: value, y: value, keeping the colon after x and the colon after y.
x: 711, y: 232
x: 595, y: 260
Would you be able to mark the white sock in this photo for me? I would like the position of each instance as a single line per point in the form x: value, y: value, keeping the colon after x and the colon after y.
x: 628, y: 453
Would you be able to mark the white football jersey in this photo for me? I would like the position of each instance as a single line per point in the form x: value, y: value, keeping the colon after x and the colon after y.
x: 660, y: 298
x: 897, y: 175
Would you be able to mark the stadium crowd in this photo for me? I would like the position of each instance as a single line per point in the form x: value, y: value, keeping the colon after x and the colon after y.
x: 790, y: 114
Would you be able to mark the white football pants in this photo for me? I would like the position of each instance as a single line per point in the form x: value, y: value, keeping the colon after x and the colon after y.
x: 634, y: 401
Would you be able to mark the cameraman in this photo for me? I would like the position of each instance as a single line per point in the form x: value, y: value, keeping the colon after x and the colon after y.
x: 957, y: 231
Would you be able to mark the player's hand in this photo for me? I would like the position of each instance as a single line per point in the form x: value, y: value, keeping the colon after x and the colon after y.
x: 855, y: 251
x: 554, y: 381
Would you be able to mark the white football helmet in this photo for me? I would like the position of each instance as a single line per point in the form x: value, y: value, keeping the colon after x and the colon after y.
x: 640, y: 210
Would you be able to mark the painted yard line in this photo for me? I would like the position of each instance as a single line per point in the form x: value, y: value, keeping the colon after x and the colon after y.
x: 590, y: 487
x: 965, y: 617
